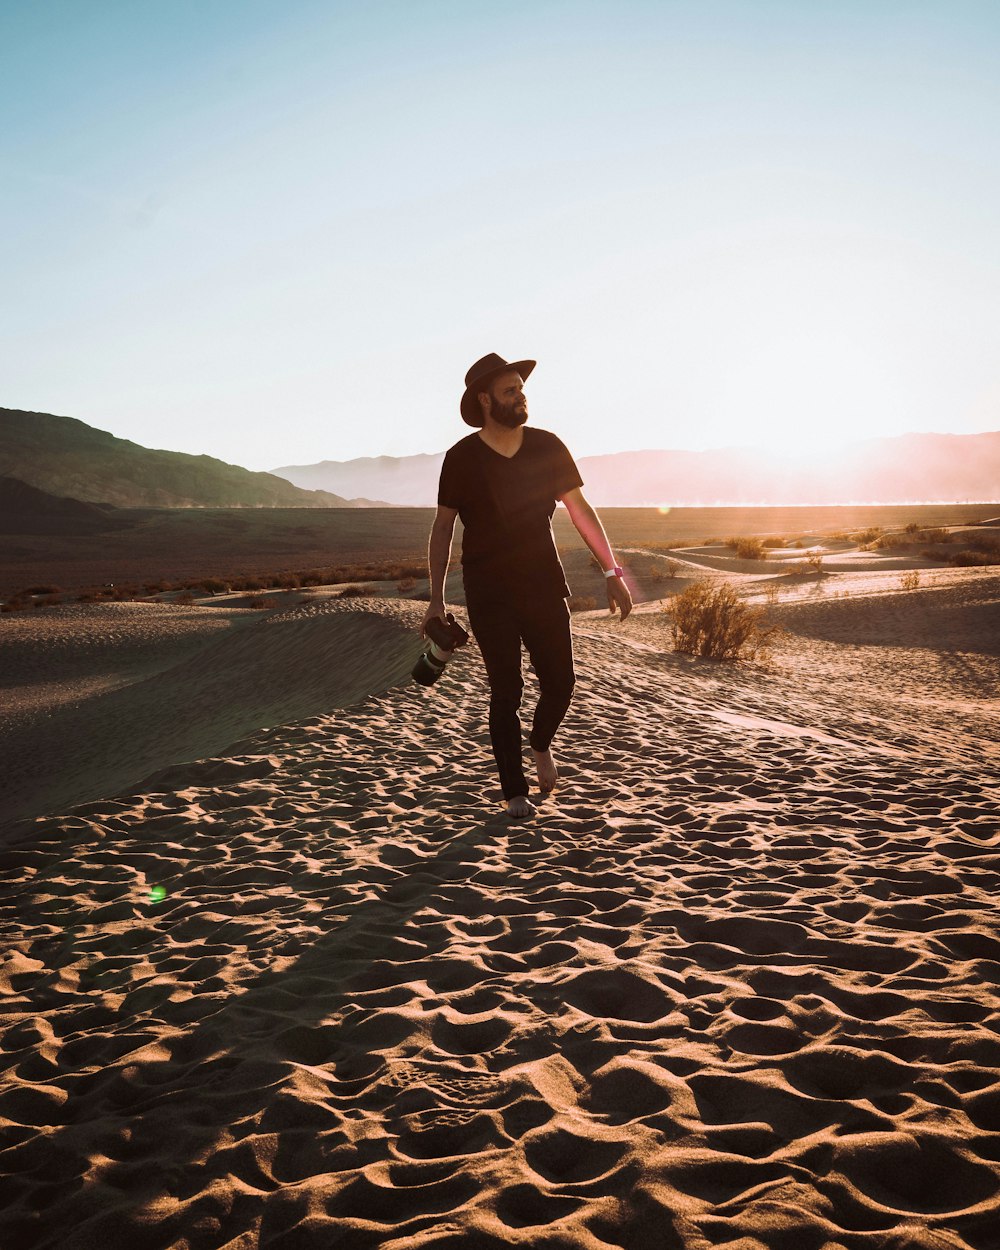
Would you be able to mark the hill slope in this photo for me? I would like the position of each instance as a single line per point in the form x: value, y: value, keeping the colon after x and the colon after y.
x: 66, y: 457
x: 25, y: 509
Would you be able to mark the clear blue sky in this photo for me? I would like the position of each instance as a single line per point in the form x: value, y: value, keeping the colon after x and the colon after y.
x: 280, y: 232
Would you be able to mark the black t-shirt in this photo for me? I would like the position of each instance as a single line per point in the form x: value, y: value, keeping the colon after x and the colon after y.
x: 506, y: 506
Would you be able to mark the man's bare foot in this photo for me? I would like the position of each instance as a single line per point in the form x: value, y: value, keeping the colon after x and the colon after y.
x: 519, y: 807
x: 548, y: 774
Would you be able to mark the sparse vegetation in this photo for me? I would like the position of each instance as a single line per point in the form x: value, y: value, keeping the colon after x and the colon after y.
x: 661, y: 572
x: 910, y: 580
x: 864, y: 537
x: 982, y: 553
x: 712, y: 621
x: 814, y: 560
x: 406, y: 585
x: 774, y: 542
x: 581, y: 603
x: 352, y: 592
x: 747, y: 548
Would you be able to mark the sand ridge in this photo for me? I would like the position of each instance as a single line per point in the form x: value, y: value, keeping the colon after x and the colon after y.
x: 736, y: 985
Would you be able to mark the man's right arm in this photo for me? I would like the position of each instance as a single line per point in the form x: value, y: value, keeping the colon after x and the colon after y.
x: 438, y: 555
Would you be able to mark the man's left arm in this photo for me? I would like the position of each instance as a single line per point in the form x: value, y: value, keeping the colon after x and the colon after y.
x: 590, y: 529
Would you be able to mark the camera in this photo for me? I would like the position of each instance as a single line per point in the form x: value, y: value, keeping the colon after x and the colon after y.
x: 443, y: 640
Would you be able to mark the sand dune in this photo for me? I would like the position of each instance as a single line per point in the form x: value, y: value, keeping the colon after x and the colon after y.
x: 735, y: 986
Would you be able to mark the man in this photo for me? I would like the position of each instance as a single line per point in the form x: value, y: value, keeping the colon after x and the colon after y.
x: 504, y: 482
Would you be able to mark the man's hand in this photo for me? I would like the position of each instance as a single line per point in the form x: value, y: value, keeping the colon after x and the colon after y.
x: 619, y: 596
x: 433, y: 609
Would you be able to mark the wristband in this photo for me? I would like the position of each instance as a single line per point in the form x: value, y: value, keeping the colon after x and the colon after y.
x: 617, y: 571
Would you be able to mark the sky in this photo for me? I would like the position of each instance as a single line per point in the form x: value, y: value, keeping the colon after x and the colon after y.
x: 279, y: 233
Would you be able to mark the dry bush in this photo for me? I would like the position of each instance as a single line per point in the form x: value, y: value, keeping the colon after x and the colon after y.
x: 714, y: 623
x: 581, y: 603
x: 211, y: 586
x: 983, y: 554
x: 747, y: 548
x: 353, y: 592
x: 814, y: 559
x: 911, y: 527
x: 910, y: 580
x: 257, y: 601
x: 774, y: 542
x: 934, y: 536
x: 406, y: 585
x: 863, y: 537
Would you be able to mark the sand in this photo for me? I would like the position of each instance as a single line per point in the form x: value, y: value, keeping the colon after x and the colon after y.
x: 287, y: 977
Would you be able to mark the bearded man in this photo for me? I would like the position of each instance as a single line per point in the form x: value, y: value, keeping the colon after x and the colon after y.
x: 504, y: 481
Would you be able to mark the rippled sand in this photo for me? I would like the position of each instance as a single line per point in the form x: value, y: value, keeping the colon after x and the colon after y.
x: 735, y: 986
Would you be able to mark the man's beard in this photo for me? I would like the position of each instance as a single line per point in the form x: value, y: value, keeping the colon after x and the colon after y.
x: 510, y: 415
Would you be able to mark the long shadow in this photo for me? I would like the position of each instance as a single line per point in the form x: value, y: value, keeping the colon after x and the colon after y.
x: 193, y: 1097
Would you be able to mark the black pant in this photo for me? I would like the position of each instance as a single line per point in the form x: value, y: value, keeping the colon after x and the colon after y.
x: 500, y: 626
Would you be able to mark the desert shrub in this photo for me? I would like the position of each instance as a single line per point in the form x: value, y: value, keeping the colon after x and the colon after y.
x: 16, y: 603
x: 935, y: 536
x: 581, y: 603
x: 406, y: 585
x: 747, y: 548
x: 312, y: 578
x: 352, y: 592
x: 185, y: 597
x: 211, y: 586
x: 285, y: 581
x: 714, y: 623
x: 798, y: 544
x: 911, y: 527
x: 774, y: 542
x: 863, y: 537
x: 910, y: 580
x: 257, y: 601
x: 969, y: 558
x: 41, y: 590
x: 814, y: 560
x: 989, y: 546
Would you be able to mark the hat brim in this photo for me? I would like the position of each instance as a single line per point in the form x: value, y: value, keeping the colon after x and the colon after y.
x: 472, y: 414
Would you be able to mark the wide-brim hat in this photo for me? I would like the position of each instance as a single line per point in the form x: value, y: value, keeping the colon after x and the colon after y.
x: 490, y: 366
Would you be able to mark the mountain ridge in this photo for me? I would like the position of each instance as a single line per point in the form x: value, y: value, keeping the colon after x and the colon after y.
x: 67, y: 458
x: 906, y: 468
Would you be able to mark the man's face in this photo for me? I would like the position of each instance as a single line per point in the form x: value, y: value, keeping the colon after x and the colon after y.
x: 509, y: 407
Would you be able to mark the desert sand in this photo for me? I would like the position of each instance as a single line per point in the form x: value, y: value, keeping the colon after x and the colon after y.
x: 278, y: 971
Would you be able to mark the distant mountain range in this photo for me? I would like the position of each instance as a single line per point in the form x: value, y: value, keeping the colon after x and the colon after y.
x: 912, y: 468
x: 67, y: 458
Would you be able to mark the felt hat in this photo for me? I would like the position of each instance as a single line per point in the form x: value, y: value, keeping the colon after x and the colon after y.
x: 490, y: 366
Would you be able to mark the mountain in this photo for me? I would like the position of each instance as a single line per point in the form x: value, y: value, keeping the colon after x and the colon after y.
x: 404, y: 480
x: 66, y: 457
x: 908, y: 469
x: 26, y: 510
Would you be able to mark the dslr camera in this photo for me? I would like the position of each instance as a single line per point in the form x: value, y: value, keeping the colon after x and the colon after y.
x: 443, y: 640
